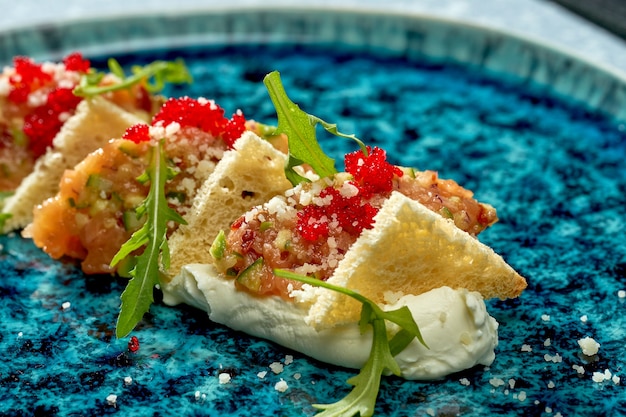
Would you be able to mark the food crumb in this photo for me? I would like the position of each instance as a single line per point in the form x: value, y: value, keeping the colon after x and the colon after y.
x: 556, y: 358
x: 288, y: 359
x: 545, y: 317
x: 66, y: 305
x: 579, y: 369
x: 277, y: 367
x: 621, y: 294
x: 112, y: 399
x: 281, y: 386
x: 589, y: 346
x: 551, y: 384
x: 522, y: 396
x: 584, y: 318
x: 128, y: 380
x: 464, y: 381
x: 496, y: 382
x: 430, y: 412
x: 224, y: 378
x: 297, y: 375
x: 261, y: 374
x: 526, y: 348
x: 547, y: 342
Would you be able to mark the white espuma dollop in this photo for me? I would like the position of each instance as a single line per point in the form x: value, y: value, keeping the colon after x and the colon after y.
x: 454, y: 323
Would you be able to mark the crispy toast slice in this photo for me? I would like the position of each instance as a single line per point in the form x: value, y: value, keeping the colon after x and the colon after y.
x: 95, y: 122
x: 411, y: 250
x: 247, y: 176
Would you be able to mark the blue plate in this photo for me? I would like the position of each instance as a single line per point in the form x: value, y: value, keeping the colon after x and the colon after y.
x: 538, y: 134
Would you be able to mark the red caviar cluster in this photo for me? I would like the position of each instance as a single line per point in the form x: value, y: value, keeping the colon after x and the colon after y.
x: 372, y: 174
x: 43, y: 122
x: 205, y: 115
x: 137, y: 133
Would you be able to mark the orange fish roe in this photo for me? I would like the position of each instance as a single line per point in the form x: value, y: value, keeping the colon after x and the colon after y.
x: 94, y: 212
x: 310, y: 229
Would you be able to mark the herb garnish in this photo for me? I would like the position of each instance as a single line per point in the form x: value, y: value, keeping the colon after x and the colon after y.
x: 138, y: 295
x: 299, y: 127
x: 362, y: 399
x: 155, y: 74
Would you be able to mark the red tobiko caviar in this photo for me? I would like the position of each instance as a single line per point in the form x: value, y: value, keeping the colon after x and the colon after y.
x: 76, y: 62
x: 28, y: 77
x: 44, y: 122
x: 350, y: 213
x: 133, y: 344
x: 372, y: 173
x: 137, y: 133
x: 202, y: 114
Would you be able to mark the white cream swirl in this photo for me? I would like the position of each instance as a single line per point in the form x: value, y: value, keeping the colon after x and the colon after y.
x: 454, y: 323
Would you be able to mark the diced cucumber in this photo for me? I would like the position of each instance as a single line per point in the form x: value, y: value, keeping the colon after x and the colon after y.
x: 98, y: 182
x: 251, y: 277
x: 131, y: 220
x: 218, y: 247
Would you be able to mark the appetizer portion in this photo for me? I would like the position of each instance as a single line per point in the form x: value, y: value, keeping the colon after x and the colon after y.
x: 311, y: 228
x: 53, y: 114
x: 94, y: 212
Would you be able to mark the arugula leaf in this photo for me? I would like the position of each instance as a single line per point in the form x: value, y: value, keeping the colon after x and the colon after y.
x: 299, y: 127
x: 155, y: 74
x: 138, y: 295
x: 362, y: 399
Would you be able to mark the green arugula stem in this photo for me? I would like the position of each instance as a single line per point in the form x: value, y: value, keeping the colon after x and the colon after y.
x: 152, y: 236
x: 160, y: 72
x: 362, y: 399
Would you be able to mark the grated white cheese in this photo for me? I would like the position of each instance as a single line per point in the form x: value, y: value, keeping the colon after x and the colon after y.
x: 496, y: 382
x: 589, y: 346
x: 277, y: 367
x: 224, y: 378
x: 281, y: 386
x: 556, y: 358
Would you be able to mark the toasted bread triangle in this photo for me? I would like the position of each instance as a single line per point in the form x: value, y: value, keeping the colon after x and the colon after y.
x: 412, y: 250
x: 95, y: 122
x: 247, y: 176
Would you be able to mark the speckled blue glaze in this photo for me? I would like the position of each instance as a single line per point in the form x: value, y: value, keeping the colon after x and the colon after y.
x: 554, y: 170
